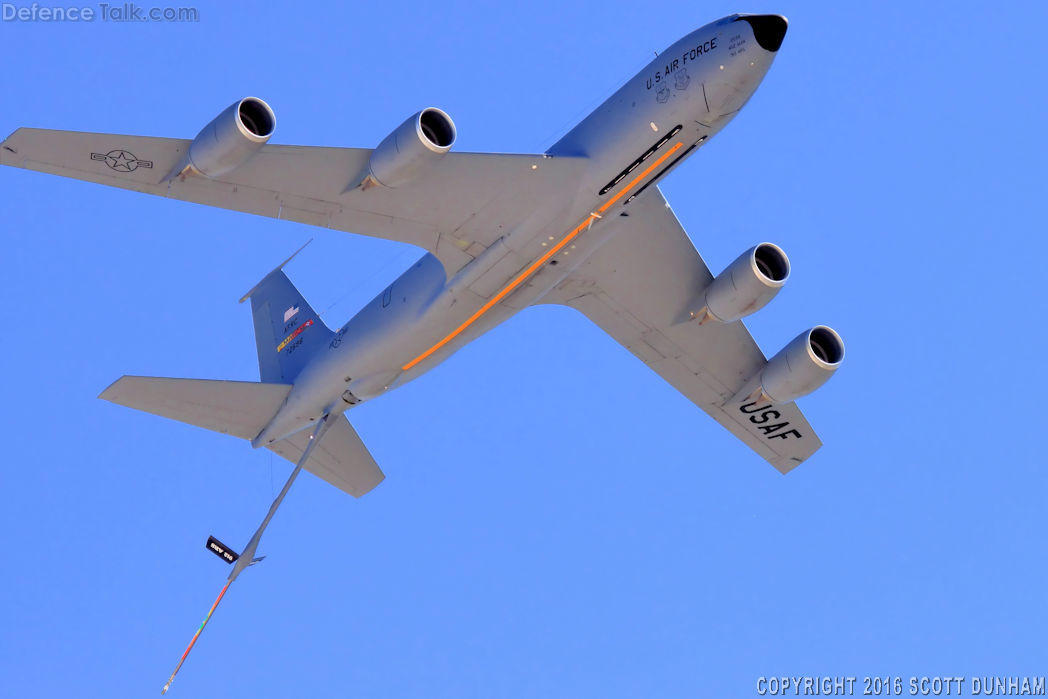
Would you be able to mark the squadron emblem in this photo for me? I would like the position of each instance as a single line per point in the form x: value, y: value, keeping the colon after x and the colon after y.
x: 682, y: 79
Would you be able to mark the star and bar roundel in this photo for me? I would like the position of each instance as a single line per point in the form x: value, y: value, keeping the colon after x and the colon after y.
x: 121, y: 160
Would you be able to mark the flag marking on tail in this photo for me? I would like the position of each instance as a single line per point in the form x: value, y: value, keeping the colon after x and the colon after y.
x: 294, y: 334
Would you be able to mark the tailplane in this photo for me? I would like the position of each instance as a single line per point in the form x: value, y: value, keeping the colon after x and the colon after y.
x: 239, y: 408
x: 288, y: 334
x: 243, y: 409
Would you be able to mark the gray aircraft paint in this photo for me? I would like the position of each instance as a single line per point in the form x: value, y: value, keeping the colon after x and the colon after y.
x: 581, y: 225
x: 489, y: 223
x: 422, y: 309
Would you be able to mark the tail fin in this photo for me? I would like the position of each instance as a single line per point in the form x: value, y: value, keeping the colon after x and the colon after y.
x: 288, y: 332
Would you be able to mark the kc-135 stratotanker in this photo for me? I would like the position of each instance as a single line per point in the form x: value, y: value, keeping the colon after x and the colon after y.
x: 583, y: 224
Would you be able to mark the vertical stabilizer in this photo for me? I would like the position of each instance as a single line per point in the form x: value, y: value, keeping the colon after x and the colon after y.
x: 288, y: 332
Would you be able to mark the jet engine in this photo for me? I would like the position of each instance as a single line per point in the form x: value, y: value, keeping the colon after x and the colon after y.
x: 746, y: 286
x: 410, y: 149
x: 802, y: 366
x: 231, y: 138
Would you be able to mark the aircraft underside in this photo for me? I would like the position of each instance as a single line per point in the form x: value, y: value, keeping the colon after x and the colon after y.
x: 583, y: 225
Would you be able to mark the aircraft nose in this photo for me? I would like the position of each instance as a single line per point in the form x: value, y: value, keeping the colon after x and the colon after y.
x: 768, y: 30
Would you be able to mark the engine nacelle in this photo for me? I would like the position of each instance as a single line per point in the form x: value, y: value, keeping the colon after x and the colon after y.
x: 746, y: 286
x: 411, y: 148
x: 803, y: 365
x: 231, y: 138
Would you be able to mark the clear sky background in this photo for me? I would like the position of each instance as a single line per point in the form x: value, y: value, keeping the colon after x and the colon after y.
x: 556, y: 520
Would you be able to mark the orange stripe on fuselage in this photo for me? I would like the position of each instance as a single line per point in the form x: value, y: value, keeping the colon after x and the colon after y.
x: 519, y: 279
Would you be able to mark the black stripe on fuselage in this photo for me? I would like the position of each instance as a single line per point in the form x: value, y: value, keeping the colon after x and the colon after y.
x: 647, y: 154
x: 661, y: 173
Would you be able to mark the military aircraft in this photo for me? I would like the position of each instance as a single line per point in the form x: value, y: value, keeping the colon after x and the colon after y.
x: 583, y: 224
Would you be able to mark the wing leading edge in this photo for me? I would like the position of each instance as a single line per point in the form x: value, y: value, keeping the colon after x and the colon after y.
x: 638, y: 286
x: 455, y: 211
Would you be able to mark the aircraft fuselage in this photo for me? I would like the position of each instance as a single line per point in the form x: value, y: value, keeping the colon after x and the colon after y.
x: 659, y: 118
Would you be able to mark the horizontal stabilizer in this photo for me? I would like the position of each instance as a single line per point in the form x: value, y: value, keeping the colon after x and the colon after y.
x: 243, y: 409
x: 341, y: 458
x: 239, y: 408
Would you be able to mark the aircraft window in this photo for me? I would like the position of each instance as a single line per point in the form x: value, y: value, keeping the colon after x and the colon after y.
x: 387, y: 296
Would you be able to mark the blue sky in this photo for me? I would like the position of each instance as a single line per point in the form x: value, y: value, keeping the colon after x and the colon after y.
x: 556, y: 520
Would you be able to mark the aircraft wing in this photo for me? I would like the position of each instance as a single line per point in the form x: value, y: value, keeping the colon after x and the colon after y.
x: 455, y: 210
x: 639, y: 286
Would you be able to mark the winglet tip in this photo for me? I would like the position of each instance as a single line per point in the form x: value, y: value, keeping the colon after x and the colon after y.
x: 107, y: 393
x: 8, y: 153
